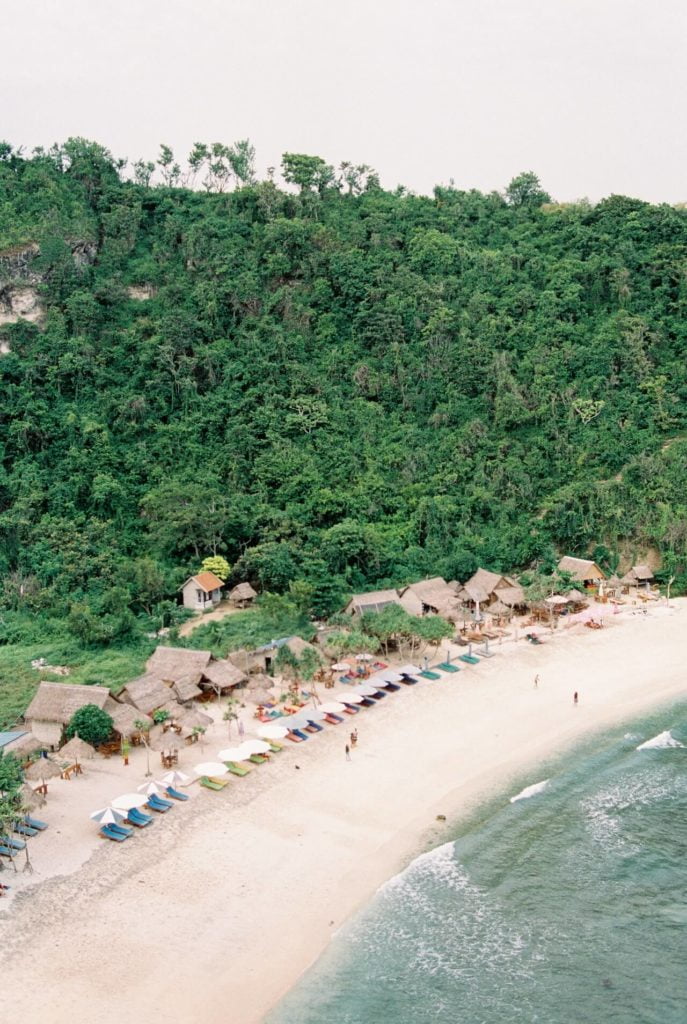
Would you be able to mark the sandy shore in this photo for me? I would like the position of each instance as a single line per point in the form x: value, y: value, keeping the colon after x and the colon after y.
x: 214, y: 912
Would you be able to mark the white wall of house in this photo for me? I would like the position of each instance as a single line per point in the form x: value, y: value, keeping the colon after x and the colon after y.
x: 196, y: 598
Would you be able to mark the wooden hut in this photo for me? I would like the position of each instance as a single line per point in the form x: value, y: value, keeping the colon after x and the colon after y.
x: 582, y: 570
x: 485, y: 588
x: 202, y: 592
x: 243, y: 595
x: 429, y: 597
x: 638, y: 577
x: 371, y: 602
x: 124, y: 718
x: 147, y: 693
x: 54, y: 705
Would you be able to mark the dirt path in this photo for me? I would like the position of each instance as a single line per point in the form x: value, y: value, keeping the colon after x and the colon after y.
x: 221, y: 611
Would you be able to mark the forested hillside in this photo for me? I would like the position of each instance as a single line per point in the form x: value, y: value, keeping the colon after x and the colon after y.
x: 326, y: 382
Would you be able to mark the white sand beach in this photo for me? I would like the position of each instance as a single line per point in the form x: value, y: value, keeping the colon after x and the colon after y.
x: 212, y: 913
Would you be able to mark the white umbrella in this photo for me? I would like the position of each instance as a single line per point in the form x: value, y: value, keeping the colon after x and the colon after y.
x: 149, y: 788
x: 128, y: 801
x: 341, y: 666
x: 234, y: 754
x: 273, y: 732
x: 392, y: 677
x: 365, y: 689
x: 349, y: 698
x: 108, y: 816
x: 212, y: 768
x: 255, y: 746
x: 332, y: 707
x: 174, y: 778
x: 313, y: 714
x: 364, y: 657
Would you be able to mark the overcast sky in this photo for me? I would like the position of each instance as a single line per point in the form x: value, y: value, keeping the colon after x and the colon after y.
x: 590, y: 94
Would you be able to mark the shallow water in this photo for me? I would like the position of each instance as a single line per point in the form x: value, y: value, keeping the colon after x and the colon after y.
x: 566, y: 905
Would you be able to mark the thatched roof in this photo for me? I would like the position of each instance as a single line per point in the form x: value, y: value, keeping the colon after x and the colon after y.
x: 261, y: 696
x: 185, y: 690
x: 435, y: 593
x: 373, y: 601
x: 206, y: 581
x: 57, y: 702
x: 178, y: 664
x: 575, y: 596
x: 30, y: 798
x: 580, y: 569
x: 224, y: 674
x: 260, y: 681
x: 160, y: 738
x: 25, y: 745
x: 511, y: 596
x: 147, y: 693
x: 124, y: 716
x: 642, y: 573
x: 76, y: 749
x: 242, y: 592
x: 498, y: 608
x: 297, y: 645
x: 190, y: 718
x: 455, y: 586
x: 42, y: 768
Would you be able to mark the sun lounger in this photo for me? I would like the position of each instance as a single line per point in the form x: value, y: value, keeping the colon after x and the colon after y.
x: 24, y: 830
x: 299, y: 733
x: 175, y: 794
x: 109, y: 833
x: 7, y: 851
x: 409, y: 680
x: 391, y: 687
x: 276, y: 748
x: 333, y: 719
x: 15, y: 844
x: 367, y: 702
x: 378, y: 695
x: 138, y: 818
x: 237, y: 769
x: 315, y: 726
x: 426, y: 674
x: 295, y: 739
x: 34, y: 823
x: 350, y: 709
x: 156, y: 803
x: 258, y: 759
x: 309, y: 728
x: 215, y: 784
x: 120, y: 828
x: 469, y: 659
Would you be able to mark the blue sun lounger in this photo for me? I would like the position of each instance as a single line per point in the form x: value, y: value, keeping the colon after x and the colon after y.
x: 333, y: 719
x: 392, y: 687
x: 109, y: 833
x: 301, y: 735
x: 409, y: 680
x: 120, y: 828
x: 469, y: 659
x: 34, y: 823
x: 137, y: 818
x: 6, y: 851
x: 315, y: 725
x: 16, y: 844
x: 175, y: 794
x: 22, y: 829
x: 156, y: 803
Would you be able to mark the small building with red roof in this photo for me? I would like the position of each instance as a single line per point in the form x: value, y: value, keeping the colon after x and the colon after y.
x: 202, y: 592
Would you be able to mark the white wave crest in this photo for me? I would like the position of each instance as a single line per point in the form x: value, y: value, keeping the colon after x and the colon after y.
x: 661, y: 742
x: 529, y: 791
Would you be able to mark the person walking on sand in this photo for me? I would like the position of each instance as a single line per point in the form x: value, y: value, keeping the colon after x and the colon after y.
x: 348, y: 752
x: 575, y: 696
x: 536, y: 682
x: 241, y: 729
x: 353, y: 739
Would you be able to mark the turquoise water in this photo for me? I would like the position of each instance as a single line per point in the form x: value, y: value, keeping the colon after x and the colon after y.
x: 566, y: 906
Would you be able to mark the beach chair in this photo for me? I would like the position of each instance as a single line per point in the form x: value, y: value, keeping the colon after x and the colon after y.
x: 24, y: 830
x: 391, y: 687
x: 120, y: 828
x: 378, y: 695
x: 215, y: 784
x: 156, y: 803
x: 7, y: 851
x: 237, y: 769
x: 448, y: 666
x: 291, y: 735
x: 15, y: 844
x: 315, y: 726
x: 469, y: 659
x: 333, y: 719
x: 409, y: 680
x: 426, y: 674
x: 258, y: 759
x: 138, y: 818
x: 276, y: 748
x: 34, y: 823
x: 175, y: 794
x: 107, y: 832
x: 299, y: 733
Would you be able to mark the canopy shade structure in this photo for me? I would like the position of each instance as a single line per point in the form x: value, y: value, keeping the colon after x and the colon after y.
x: 332, y: 707
x: 42, y: 769
x: 149, y: 788
x: 234, y: 754
x: 129, y: 801
x: 75, y: 749
x: 273, y: 732
x: 212, y: 768
x: 175, y: 778
x: 365, y: 689
x: 108, y: 816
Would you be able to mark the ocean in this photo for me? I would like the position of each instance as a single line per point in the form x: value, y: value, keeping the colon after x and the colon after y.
x: 563, y: 901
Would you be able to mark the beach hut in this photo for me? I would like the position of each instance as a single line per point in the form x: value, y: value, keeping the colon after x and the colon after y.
x: 124, y: 718
x: 202, y: 592
x: 371, y: 602
x: 222, y: 676
x: 146, y: 694
x: 178, y: 664
x: 429, y: 597
x: 582, y: 570
x: 638, y: 577
x: 76, y: 750
x: 485, y: 588
x: 53, y: 706
x: 242, y: 596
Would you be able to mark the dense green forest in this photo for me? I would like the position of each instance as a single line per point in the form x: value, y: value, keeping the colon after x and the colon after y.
x: 331, y: 384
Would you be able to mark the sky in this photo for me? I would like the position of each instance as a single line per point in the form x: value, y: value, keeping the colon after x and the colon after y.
x: 589, y: 94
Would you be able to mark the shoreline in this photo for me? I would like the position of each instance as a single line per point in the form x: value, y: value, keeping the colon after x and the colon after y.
x: 229, y: 900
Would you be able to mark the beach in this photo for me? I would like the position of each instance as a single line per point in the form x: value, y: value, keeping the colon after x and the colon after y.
x: 215, y: 911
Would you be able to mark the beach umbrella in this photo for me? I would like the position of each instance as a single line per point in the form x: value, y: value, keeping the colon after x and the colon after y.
x: 234, y: 754
x: 349, y: 698
x: 313, y: 714
x: 149, y: 788
x: 332, y: 707
x: 213, y: 768
x: 341, y: 666
x: 30, y: 798
x: 175, y: 778
x: 255, y: 747
x: 128, y: 801
x: 394, y: 677
x: 108, y: 816
x: 273, y: 732
x: 41, y: 769
x: 169, y: 740
x: 365, y: 690
x: 75, y: 749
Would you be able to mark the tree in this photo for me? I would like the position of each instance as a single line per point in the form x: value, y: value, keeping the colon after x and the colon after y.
x: 10, y: 775
x: 242, y: 161
x: 310, y: 173
x: 231, y: 711
x: 218, y: 565
x: 144, y: 726
x: 526, y: 190
x: 91, y: 724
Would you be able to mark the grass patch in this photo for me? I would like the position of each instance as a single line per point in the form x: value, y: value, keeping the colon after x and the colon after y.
x: 249, y: 629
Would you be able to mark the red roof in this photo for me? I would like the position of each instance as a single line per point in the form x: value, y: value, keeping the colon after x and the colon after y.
x: 207, y: 581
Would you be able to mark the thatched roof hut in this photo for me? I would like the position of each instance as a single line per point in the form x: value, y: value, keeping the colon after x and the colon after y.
x: 124, y: 717
x: 485, y: 588
x: 42, y: 769
x: 582, y: 570
x: 638, y: 576
x: 76, y: 750
x: 147, y: 693
x: 242, y: 595
x: 53, y: 706
x: 429, y: 596
x: 223, y: 675
x: 186, y: 690
x: 372, y: 601
x: 178, y: 664
x: 30, y: 798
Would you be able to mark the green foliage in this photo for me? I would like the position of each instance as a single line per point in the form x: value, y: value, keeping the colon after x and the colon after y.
x: 10, y: 775
x: 217, y: 564
x: 91, y: 724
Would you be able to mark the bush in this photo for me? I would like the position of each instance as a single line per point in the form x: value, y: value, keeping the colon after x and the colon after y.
x: 91, y: 724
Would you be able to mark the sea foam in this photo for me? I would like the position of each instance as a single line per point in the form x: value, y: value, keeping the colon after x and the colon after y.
x: 529, y: 791
x: 660, y: 742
